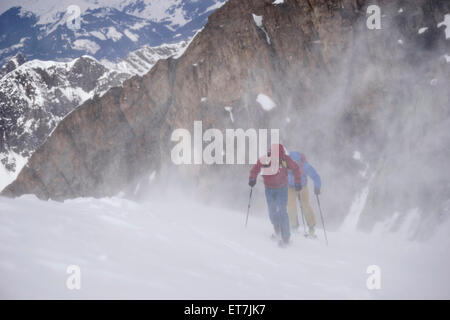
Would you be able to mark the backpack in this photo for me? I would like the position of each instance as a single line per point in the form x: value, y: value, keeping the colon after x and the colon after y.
x: 266, y: 162
x: 302, y: 160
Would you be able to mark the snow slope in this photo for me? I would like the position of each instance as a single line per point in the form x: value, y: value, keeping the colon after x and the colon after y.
x: 185, y: 250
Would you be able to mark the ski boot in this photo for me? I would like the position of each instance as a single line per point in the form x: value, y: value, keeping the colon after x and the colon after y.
x: 312, y: 233
x: 296, y: 229
x: 283, y: 243
x: 276, y: 235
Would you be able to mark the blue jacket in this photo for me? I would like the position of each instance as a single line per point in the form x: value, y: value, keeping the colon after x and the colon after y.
x: 308, y: 171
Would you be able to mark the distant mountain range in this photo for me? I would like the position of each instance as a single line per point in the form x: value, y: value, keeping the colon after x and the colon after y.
x: 108, y: 30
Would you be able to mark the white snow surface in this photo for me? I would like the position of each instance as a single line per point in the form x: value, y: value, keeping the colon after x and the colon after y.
x: 86, y: 45
x: 142, y: 60
x: 357, y: 207
x: 230, y: 111
x: 258, y: 20
x: 215, y: 6
x: 6, y: 176
x: 357, y: 155
x: 98, y: 35
x: 133, y: 37
x: 446, y: 23
x: 259, y: 23
x: 265, y: 102
x: 113, y: 34
x: 183, y: 250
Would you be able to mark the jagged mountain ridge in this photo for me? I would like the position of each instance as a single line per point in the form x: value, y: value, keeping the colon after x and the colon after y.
x: 36, y: 95
x: 141, y: 61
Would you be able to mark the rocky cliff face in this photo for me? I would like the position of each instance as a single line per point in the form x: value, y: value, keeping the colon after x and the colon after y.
x: 322, y: 67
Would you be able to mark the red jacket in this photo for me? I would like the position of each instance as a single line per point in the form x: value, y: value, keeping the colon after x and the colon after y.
x: 279, y: 177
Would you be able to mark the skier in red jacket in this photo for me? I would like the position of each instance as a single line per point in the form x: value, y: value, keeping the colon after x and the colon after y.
x: 274, y: 169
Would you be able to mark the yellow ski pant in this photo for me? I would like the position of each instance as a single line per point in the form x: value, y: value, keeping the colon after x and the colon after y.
x: 306, y: 206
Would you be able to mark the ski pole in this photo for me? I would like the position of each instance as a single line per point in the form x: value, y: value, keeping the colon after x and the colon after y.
x: 248, y: 209
x: 321, y: 216
x: 303, y: 217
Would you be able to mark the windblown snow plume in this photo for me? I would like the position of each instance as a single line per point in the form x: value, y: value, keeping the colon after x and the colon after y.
x: 183, y: 250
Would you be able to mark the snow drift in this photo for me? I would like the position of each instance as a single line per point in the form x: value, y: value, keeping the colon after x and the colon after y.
x: 181, y: 250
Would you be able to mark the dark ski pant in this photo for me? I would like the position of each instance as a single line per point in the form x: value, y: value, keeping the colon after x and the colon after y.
x: 277, y: 205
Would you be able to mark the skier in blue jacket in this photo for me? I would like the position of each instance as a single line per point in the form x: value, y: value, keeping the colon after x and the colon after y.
x: 303, y: 195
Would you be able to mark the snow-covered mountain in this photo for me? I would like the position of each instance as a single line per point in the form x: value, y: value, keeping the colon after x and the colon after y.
x: 142, y: 60
x: 174, y: 12
x: 48, y: 30
x: 36, y: 95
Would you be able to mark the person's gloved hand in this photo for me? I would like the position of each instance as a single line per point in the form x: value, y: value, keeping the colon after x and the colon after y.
x: 252, y: 182
x: 298, y: 186
x: 317, y: 191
